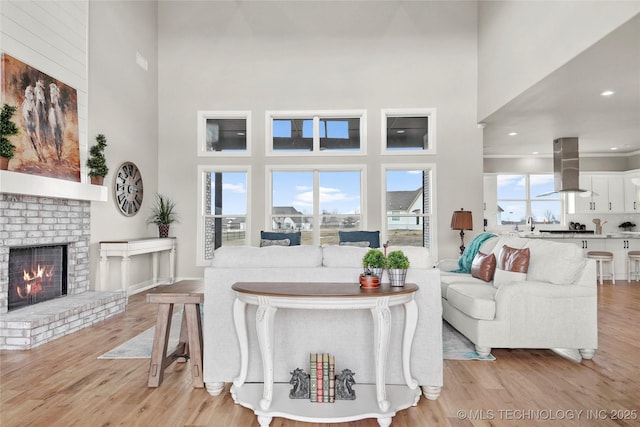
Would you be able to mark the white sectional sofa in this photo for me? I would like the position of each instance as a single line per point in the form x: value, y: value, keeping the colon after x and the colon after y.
x: 346, y: 334
x: 554, y: 308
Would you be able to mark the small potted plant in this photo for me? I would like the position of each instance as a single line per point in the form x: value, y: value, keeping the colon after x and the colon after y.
x: 163, y: 214
x: 397, y: 265
x: 7, y: 128
x: 96, y: 162
x: 373, y: 262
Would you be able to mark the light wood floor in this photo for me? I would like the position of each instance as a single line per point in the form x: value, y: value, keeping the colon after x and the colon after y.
x: 62, y: 383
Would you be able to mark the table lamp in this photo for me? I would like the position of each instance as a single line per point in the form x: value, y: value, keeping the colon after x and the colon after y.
x: 462, y: 220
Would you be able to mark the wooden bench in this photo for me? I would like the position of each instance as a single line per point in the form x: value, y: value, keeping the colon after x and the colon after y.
x: 190, y: 294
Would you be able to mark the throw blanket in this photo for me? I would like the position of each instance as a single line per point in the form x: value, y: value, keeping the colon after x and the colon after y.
x: 470, y: 252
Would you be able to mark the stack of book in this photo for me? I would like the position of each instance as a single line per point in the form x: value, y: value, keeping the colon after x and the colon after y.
x: 322, y: 377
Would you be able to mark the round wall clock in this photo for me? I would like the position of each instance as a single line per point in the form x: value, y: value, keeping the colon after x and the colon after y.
x: 128, y: 189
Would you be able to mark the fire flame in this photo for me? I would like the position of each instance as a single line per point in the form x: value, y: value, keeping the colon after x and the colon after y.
x: 33, y: 280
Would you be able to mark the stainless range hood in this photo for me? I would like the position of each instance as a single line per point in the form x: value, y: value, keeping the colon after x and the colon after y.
x: 566, y: 167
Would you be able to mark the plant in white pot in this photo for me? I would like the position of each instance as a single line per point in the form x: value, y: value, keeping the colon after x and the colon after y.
x: 163, y: 214
x: 397, y: 265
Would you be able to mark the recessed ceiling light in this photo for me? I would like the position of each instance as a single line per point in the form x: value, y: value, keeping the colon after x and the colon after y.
x: 240, y: 134
x: 400, y: 131
x: 535, y: 152
x: 613, y: 148
x: 513, y: 133
x: 607, y: 93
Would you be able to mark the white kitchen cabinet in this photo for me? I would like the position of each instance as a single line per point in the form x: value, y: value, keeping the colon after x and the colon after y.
x: 606, y: 194
x: 632, y: 192
x: 587, y: 244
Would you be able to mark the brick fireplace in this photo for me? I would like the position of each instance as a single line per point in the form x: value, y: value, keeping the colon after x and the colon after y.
x: 28, y: 221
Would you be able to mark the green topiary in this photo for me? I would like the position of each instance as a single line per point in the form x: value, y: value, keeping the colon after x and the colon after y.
x: 374, y: 258
x: 7, y: 128
x: 97, y: 163
x: 397, y: 260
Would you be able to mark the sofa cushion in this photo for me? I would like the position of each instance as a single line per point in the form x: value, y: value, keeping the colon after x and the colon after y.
x: 373, y: 237
x: 476, y: 301
x: 554, y: 262
x: 483, y: 266
x: 294, y: 237
x: 342, y: 256
x: 512, y: 259
x: 502, y: 277
x: 270, y: 256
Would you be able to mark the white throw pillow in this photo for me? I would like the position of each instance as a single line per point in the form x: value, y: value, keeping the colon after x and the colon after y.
x: 343, y: 256
x: 501, y: 277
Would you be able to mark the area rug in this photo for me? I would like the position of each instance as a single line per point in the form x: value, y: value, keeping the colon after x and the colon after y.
x: 456, y: 346
x: 139, y: 347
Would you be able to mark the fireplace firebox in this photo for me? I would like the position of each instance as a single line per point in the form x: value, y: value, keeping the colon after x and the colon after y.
x: 36, y: 274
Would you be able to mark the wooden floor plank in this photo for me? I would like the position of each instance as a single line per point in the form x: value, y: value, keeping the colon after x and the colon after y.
x: 62, y: 383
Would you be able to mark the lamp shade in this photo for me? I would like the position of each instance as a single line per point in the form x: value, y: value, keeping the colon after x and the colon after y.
x: 462, y: 220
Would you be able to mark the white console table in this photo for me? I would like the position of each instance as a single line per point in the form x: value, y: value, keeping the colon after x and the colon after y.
x: 128, y: 248
x: 373, y: 400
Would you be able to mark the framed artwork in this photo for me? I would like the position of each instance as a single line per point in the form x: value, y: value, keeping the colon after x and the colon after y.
x: 47, y: 115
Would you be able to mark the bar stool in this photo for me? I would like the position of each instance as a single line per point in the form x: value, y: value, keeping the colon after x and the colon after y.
x: 633, y: 260
x: 602, y: 257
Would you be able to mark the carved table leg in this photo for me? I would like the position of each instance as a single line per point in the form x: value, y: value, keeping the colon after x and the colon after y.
x: 382, y: 325
x: 410, y: 324
x: 264, y: 326
x: 239, y: 318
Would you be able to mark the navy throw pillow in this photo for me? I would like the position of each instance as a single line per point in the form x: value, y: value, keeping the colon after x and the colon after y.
x: 373, y: 237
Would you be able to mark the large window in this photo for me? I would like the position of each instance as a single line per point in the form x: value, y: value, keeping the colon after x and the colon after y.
x: 316, y: 202
x: 519, y: 199
x: 224, y: 209
x: 408, y: 210
x: 315, y: 133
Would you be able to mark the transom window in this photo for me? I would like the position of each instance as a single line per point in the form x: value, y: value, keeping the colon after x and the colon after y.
x: 224, y: 133
x: 318, y: 203
x: 519, y: 199
x: 316, y: 132
x: 408, y: 131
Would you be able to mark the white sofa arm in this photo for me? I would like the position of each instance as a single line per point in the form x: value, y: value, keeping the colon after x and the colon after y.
x: 447, y: 264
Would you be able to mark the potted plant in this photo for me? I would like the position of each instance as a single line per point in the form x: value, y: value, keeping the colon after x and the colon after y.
x: 163, y: 214
x: 7, y: 128
x: 374, y: 262
x: 397, y: 264
x: 96, y: 162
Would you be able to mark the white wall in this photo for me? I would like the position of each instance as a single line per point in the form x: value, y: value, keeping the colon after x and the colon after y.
x: 319, y: 55
x: 521, y: 42
x: 123, y: 105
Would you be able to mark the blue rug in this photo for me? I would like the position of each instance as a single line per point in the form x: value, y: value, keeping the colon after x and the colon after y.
x: 456, y: 346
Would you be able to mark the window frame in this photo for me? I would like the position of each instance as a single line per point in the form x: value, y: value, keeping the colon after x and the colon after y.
x: 315, y: 169
x: 316, y: 116
x: 386, y: 113
x: 200, y: 213
x: 528, y: 199
x: 204, y: 115
x: 433, y: 217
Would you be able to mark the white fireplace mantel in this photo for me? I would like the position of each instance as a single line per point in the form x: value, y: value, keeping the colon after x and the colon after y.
x: 35, y: 185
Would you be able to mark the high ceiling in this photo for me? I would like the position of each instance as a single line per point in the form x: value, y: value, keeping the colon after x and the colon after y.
x: 569, y: 103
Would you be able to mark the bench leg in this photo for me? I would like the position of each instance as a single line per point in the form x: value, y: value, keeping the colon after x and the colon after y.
x: 160, y: 341
x: 194, y: 329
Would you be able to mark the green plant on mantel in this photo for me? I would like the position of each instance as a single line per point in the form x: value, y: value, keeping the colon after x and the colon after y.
x: 7, y: 128
x: 96, y: 162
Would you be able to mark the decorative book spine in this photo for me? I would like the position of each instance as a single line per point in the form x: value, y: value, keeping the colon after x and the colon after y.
x: 319, y: 393
x: 332, y: 379
x: 313, y: 386
x: 325, y: 377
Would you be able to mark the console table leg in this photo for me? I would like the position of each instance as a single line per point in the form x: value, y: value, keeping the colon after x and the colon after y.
x: 124, y: 272
x: 264, y: 326
x: 381, y: 326
x: 264, y: 421
x: 241, y: 330
x: 410, y: 324
x: 384, y: 422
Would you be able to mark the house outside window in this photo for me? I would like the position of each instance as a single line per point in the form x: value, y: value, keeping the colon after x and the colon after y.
x: 224, y: 207
x: 408, y: 206
x: 318, y: 202
x: 519, y: 198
